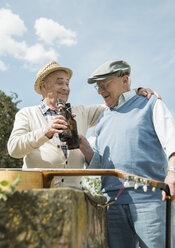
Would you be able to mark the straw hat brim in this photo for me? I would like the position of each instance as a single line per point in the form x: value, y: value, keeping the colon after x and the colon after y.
x: 47, y: 72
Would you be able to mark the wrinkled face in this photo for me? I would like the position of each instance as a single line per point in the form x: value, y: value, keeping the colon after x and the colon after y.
x: 111, y: 88
x: 56, y: 86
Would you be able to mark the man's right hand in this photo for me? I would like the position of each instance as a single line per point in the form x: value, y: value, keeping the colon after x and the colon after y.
x: 57, y: 125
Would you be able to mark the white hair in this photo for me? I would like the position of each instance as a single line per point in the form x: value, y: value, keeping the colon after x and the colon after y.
x: 129, y: 80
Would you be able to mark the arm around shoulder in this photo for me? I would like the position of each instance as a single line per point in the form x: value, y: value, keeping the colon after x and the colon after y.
x: 94, y: 113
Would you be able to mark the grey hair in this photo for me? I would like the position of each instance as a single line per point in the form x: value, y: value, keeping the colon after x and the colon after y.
x: 129, y: 80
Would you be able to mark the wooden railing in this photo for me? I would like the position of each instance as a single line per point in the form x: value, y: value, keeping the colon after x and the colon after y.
x: 49, y: 174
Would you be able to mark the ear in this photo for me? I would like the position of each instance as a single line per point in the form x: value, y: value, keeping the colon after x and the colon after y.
x: 42, y: 85
x: 126, y: 82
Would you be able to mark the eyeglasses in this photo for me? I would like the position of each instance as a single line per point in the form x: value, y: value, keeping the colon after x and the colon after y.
x: 103, y: 85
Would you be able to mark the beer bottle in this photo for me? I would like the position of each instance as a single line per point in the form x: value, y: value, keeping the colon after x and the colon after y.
x: 73, y: 142
x: 61, y: 110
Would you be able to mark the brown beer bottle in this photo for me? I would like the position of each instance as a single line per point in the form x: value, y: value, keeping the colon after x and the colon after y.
x: 61, y: 110
x: 73, y: 142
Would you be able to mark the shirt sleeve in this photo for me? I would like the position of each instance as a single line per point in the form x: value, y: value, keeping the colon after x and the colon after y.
x: 95, y: 161
x: 164, y: 125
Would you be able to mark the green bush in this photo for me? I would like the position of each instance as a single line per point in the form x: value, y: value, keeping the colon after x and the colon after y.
x: 93, y: 184
x: 8, y: 109
x: 5, y: 183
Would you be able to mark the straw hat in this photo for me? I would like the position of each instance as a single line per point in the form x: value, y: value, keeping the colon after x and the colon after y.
x: 46, y: 70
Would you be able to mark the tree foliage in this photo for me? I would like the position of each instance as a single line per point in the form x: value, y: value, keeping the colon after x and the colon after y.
x: 8, y: 109
x: 93, y: 184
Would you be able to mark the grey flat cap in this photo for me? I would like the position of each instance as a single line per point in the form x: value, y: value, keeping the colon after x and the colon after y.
x: 119, y: 68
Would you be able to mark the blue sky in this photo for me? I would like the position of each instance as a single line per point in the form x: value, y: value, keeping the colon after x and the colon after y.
x: 82, y: 34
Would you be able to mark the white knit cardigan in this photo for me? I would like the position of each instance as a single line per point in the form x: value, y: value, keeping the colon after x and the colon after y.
x: 29, y: 142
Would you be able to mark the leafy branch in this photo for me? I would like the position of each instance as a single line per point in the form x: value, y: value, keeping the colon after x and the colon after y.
x: 12, y: 186
x: 93, y: 184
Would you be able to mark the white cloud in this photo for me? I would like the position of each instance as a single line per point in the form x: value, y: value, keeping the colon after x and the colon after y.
x: 2, y: 66
x: 36, y: 54
x: 47, y: 30
x: 10, y: 23
x: 51, y: 32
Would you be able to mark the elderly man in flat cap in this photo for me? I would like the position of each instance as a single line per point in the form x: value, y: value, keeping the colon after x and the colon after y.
x: 135, y: 135
x: 35, y: 134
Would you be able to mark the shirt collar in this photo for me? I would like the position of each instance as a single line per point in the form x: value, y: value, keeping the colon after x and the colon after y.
x: 124, y: 98
x: 44, y: 107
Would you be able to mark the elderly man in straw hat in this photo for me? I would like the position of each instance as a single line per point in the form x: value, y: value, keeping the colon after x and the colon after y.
x: 35, y: 133
x: 135, y: 135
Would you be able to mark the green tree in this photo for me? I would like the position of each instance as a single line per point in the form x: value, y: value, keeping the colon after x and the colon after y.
x: 8, y: 109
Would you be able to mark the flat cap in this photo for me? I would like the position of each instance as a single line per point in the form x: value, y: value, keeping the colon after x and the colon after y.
x: 109, y: 68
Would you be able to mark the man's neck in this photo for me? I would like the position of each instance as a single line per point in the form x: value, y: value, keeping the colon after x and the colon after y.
x: 125, y: 96
x: 121, y: 96
x: 50, y: 102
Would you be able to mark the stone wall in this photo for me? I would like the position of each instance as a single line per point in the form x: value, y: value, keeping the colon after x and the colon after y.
x: 52, y: 218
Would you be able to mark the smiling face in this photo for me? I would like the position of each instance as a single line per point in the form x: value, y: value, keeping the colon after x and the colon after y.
x: 55, y: 86
x: 111, y: 88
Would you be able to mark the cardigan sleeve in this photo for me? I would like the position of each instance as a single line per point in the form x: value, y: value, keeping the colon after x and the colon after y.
x: 23, y: 140
x: 93, y: 113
